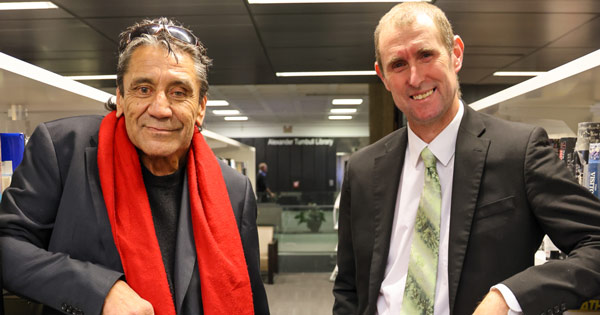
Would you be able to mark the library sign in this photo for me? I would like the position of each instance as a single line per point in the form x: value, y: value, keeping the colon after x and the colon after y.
x: 300, y: 141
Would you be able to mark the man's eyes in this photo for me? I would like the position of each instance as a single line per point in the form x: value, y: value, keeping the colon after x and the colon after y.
x: 427, y: 55
x: 398, y: 64
x: 179, y: 93
x: 174, y: 92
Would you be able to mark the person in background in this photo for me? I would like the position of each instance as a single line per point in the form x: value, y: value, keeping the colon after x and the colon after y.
x: 444, y: 216
x: 132, y: 213
x: 262, y: 188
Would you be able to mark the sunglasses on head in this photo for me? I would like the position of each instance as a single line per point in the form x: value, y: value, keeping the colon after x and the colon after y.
x: 176, y: 32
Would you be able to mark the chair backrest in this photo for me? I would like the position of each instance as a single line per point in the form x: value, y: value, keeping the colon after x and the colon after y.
x: 265, y: 236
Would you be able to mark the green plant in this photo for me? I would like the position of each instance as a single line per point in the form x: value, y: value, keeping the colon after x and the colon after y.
x: 313, y: 218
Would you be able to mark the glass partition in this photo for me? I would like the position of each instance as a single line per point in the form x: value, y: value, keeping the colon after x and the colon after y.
x: 305, y: 228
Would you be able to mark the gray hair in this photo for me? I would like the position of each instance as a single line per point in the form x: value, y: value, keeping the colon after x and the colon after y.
x: 127, y: 46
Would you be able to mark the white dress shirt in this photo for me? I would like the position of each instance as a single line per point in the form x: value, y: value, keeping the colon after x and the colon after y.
x: 410, y: 188
x: 409, y: 192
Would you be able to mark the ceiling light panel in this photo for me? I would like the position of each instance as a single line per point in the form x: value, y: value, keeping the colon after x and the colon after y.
x: 326, y: 1
x: 225, y: 112
x: 343, y: 110
x: 236, y: 118
x: 518, y: 73
x: 325, y: 73
x: 92, y: 77
x: 347, y: 101
x: 340, y: 117
x: 27, y: 5
x: 217, y: 103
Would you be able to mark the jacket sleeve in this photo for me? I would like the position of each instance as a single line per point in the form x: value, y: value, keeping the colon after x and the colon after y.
x: 344, y: 289
x: 249, y: 235
x: 27, y: 217
x: 570, y: 215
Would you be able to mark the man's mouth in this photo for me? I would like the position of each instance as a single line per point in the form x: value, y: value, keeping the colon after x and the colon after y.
x: 423, y: 95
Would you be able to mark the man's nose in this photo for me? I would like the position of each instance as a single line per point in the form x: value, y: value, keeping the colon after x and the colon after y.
x: 160, y: 106
x: 415, y: 76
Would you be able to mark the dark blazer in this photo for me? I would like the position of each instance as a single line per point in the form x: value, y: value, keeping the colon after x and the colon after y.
x: 509, y: 189
x: 56, y: 241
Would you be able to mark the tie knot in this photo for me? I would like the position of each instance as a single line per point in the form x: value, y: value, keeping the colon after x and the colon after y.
x: 428, y: 158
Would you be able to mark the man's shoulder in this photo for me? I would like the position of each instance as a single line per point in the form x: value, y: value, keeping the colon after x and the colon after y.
x: 72, y: 131
x: 503, y: 125
x: 380, y: 146
x: 87, y: 125
x: 230, y: 174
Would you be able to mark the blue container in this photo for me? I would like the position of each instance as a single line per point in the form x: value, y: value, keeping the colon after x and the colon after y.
x: 594, y: 169
x: 13, y: 146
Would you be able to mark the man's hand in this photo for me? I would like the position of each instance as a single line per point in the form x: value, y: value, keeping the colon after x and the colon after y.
x: 493, y: 303
x: 121, y: 299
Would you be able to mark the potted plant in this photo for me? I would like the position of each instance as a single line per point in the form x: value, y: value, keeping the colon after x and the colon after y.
x: 313, y: 217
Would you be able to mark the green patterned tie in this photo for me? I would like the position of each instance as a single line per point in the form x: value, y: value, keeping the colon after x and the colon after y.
x: 419, y: 292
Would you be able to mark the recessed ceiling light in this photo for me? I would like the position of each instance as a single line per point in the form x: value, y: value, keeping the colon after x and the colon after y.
x: 518, y: 73
x: 224, y: 112
x: 324, y: 73
x: 347, y: 101
x: 339, y: 117
x: 326, y: 1
x: 217, y: 103
x: 343, y: 110
x: 236, y: 118
x: 27, y: 5
x: 92, y: 77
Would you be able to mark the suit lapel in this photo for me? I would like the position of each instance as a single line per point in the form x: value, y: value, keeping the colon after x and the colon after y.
x: 185, y: 252
x: 469, y: 162
x: 386, y: 178
x: 108, y: 244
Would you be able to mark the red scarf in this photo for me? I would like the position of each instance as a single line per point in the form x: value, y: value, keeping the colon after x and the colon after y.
x: 224, y: 280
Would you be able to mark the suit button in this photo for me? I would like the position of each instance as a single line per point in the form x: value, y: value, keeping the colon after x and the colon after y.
x: 63, y: 307
x: 556, y: 309
x: 549, y: 312
x: 563, y: 307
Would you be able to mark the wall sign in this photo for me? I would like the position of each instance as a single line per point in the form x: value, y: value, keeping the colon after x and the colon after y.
x: 300, y: 141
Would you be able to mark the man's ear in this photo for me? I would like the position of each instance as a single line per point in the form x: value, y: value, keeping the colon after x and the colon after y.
x: 201, y: 111
x: 458, y: 52
x: 381, y: 75
x: 119, y: 103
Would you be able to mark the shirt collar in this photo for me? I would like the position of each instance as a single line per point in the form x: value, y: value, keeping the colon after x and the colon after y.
x: 443, y: 146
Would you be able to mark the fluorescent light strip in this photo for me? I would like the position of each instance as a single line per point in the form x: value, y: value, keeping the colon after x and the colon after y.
x: 347, y: 101
x: 92, y: 77
x: 324, y: 73
x: 339, y: 117
x: 236, y: 118
x: 217, y: 103
x: 518, y: 73
x: 569, y: 69
x: 28, y: 70
x: 343, y: 110
x: 225, y: 112
x: 27, y: 5
x: 325, y: 1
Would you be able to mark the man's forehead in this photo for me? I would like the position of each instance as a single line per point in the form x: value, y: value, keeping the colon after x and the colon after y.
x: 148, y: 59
x: 419, y: 30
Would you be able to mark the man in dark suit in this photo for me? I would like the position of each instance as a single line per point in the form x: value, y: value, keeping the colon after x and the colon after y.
x: 132, y: 213
x: 494, y: 187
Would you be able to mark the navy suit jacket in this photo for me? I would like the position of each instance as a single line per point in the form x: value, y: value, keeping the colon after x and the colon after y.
x: 56, y: 241
x: 509, y: 189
